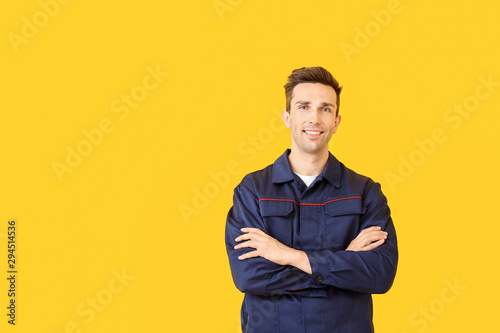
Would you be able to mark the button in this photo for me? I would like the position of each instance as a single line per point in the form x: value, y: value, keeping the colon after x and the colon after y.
x: 319, y: 278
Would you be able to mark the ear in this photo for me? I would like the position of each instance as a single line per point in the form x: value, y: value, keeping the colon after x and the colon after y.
x: 337, y: 123
x: 285, y: 115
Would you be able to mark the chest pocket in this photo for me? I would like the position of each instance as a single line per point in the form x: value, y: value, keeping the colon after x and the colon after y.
x: 278, y: 219
x: 342, y: 222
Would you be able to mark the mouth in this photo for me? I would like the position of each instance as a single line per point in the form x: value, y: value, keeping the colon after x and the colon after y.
x: 313, y: 134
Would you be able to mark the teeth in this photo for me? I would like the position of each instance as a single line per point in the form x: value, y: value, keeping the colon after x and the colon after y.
x: 312, y: 132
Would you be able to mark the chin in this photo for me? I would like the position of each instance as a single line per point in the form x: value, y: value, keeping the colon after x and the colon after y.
x: 314, y: 150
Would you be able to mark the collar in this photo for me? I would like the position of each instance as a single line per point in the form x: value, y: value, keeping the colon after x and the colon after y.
x: 282, y: 172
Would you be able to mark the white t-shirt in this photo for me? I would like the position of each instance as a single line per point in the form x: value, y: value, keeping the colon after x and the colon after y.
x: 307, y: 179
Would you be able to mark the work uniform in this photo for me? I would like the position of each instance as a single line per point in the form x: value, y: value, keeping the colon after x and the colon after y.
x: 320, y: 220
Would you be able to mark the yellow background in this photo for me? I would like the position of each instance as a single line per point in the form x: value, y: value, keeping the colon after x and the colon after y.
x: 120, y: 208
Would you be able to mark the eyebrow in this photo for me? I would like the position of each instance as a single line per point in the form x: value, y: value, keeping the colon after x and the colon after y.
x: 308, y: 102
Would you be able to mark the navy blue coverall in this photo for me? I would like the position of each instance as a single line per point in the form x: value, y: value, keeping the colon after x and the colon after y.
x: 320, y: 220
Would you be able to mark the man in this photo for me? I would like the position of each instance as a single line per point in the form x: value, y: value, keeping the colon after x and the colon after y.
x: 308, y: 239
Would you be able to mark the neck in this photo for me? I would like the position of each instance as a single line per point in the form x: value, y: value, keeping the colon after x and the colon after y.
x: 307, y: 164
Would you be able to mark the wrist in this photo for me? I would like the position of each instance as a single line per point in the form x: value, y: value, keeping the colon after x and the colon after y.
x: 300, y: 260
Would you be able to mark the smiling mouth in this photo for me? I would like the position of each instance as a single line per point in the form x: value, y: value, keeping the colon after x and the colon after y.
x: 313, y: 132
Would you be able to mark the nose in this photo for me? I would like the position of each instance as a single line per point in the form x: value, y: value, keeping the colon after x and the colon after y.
x: 314, y: 116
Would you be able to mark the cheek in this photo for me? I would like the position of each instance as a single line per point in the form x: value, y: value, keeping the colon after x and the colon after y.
x: 292, y: 123
x: 333, y: 126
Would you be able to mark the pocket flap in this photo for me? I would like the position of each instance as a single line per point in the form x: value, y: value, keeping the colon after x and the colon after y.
x: 344, y: 206
x: 276, y: 207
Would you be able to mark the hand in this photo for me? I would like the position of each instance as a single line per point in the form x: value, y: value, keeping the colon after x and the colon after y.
x: 265, y: 246
x: 368, y: 239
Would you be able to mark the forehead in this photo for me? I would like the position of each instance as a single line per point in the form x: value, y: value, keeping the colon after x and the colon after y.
x: 314, y: 92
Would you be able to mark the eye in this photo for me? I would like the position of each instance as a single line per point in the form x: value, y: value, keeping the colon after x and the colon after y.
x: 302, y: 107
x: 326, y: 109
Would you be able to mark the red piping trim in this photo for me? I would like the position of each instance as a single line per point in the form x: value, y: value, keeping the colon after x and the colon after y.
x: 309, y: 204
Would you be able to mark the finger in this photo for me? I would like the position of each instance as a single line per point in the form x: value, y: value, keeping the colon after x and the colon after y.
x: 373, y: 245
x: 242, y: 237
x: 254, y: 230
x: 248, y: 237
x: 367, y: 231
x: 244, y: 244
x: 372, y: 236
x: 376, y: 235
x: 372, y: 240
x: 251, y: 254
x: 373, y: 228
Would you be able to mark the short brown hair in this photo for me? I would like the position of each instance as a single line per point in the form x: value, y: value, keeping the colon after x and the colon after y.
x: 311, y: 75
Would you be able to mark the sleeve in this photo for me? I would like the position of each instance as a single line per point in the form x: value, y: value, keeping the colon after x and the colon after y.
x: 259, y: 275
x: 363, y: 271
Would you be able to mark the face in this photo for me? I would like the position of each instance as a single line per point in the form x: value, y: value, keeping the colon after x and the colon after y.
x: 312, y: 119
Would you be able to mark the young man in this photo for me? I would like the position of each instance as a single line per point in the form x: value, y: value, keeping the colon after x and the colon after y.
x: 308, y: 239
